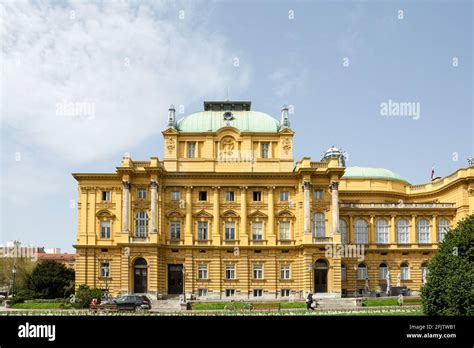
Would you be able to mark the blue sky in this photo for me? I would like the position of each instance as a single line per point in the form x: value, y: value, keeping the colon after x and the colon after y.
x: 131, y: 60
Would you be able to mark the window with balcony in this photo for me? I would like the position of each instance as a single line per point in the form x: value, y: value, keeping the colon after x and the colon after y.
x: 423, y: 231
x: 403, y: 231
x: 319, y: 225
x: 257, y: 271
x: 443, y: 228
x: 361, y: 231
x: 230, y: 272
x: 285, y: 230
x: 257, y: 230
x: 285, y: 272
x: 381, y: 231
x: 229, y: 231
x: 105, y: 229
x: 175, y: 230
x: 141, y: 224
x: 202, y: 230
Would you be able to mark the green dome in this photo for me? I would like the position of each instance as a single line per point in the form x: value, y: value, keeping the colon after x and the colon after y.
x: 372, y: 173
x: 245, y: 121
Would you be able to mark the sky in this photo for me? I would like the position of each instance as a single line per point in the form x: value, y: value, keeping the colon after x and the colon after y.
x: 338, y: 64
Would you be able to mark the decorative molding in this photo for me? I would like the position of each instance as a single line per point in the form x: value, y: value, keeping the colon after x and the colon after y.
x: 257, y: 214
x: 203, y: 214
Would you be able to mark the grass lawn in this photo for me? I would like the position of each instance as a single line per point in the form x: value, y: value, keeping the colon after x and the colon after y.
x: 240, y: 305
x: 40, y: 305
x: 377, y: 302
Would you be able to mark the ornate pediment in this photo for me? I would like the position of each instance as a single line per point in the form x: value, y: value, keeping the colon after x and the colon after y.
x: 203, y: 214
x: 175, y: 213
x: 104, y: 214
x: 285, y: 214
x: 230, y: 214
x: 257, y: 214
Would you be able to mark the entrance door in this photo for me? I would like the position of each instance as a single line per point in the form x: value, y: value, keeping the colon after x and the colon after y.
x: 321, y: 276
x: 140, y: 276
x: 175, y: 279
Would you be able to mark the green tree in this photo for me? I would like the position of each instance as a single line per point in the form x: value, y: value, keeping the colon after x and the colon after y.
x: 85, y: 294
x: 449, y: 288
x: 50, y: 279
x: 24, y: 266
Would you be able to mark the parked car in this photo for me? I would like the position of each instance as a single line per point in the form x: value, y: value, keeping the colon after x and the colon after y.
x: 135, y: 303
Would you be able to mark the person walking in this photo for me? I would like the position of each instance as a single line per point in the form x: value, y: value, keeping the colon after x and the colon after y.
x: 309, y: 302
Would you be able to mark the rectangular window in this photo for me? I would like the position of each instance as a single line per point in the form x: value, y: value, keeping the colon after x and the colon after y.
x: 175, y: 230
x: 202, y: 292
x: 284, y: 196
x: 202, y: 271
x: 257, y: 196
x: 202, y: 230
x: 265, y: 148
x: 230, y: 272
x: 104, y: 270
x: 229, y: 196
x: 285, y: 230
x: 106, y: 195
x: 285, y: 272
x: 257, y: 230
x: 318, y: 194
x: 229, y: 292
x: 230, y: 231
x: 285, y: 292
x: 191, y: 150
x: 257, y: 272
x: 175, y: 196
x: 105, y: 229
x: 202, y: 195
x: 361, y: 273
x: 257, y: 292
x: 141, y: 193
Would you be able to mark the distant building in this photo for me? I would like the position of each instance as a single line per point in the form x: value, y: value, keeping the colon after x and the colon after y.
x: 68, y: 260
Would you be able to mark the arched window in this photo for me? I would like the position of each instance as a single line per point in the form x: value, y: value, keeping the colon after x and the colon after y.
x: 343, y: 230
x: 403, y: 231
x: 319, y: 226
x: 424, y: 272
x: 361, y: 271
x: 404, y: 271
x: 423, y: 231
x: 141, y: 224
x: 361, y: 232
x: 381, y: 226
x: 343, y: 272
x: 383, y: 269
x: 443, y: 228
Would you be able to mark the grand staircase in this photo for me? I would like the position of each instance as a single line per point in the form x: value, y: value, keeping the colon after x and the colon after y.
x: 337, y: 303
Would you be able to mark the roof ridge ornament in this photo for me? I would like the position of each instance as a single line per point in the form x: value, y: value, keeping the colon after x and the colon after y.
x: 285, y: 118
x: 172, y: 116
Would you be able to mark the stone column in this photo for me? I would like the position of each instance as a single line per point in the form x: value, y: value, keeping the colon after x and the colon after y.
x: 243, y: 219
x: 125, y: 207
x: 434, y: 233
x: 372, y: 238
x: 271, y: 217
x: 216, y: 238
x: 335, y: 207
x: 153, y: 190
x: 413, y: 237
x: 393, y: 231
x: 188, y: 231
x: 306, y: 207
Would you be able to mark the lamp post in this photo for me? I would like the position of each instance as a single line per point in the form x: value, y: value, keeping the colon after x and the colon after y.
x: 13, y: 281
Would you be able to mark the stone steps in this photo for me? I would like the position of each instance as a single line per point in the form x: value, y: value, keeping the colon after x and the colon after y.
x: 338, y: 303
x: 169, y: 305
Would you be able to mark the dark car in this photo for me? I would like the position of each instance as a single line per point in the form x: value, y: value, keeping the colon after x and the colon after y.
x: 137, y: 303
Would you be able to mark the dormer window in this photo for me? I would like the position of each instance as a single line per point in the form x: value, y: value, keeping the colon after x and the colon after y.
x: 192, y: 150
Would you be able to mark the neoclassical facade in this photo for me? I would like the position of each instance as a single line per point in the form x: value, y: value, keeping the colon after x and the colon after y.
x: 227, y: 213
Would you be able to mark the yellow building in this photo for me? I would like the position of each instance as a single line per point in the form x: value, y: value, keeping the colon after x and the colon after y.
x: 228, y: 214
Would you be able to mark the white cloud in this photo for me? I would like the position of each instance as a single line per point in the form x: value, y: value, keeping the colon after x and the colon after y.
x: 128, y: 61
x: 286, y: 81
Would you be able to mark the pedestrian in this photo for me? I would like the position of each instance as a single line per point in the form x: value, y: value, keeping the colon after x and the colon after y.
x: 309, y: 302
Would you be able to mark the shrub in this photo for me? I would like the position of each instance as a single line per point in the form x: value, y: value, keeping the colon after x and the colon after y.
x: 85, y: 294
x: 22, y: 295
x: 449, y: 288
x: 50, y: 279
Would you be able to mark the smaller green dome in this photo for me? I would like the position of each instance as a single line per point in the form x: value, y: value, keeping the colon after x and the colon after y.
x: 372, y: 173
